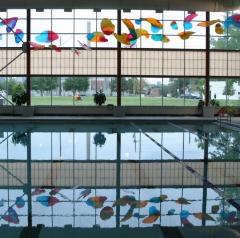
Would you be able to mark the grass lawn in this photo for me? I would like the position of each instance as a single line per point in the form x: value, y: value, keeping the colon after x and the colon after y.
x: 126, y: 100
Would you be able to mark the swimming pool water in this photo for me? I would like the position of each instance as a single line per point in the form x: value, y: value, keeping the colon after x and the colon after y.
x: 112, y: 175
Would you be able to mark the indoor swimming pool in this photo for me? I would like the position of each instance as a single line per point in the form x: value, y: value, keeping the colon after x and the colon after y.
x: 110, y: 175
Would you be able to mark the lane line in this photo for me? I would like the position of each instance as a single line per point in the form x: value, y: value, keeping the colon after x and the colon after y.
x: 205, y: 181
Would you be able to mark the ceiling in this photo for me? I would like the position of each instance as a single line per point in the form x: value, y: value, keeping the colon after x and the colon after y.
x: 188, y: 5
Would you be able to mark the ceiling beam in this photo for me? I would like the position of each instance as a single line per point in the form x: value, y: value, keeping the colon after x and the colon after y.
x: 193, y: 5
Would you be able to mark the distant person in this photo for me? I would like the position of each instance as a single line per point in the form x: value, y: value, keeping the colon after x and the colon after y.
x: 215, y: 96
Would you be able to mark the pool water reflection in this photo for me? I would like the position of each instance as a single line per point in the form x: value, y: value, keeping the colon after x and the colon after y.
x: 112, y: 175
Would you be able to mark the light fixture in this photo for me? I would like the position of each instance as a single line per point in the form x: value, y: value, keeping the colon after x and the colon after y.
x: 126, y: 10
x: 39, y: 10
x: 159, y: 11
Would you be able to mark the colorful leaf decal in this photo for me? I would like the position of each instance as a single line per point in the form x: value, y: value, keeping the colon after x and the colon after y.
x: 215, y: 209
x: 106, y: 213
x: 202, y: 216
x: 107, y: 26
x: 182, y: 201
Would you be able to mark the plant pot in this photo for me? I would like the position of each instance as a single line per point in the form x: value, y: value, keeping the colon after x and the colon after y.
x: 208, y: 111
x: 25, y: 111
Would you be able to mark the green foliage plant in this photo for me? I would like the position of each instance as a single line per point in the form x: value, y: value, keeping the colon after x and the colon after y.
x: 19, y: 96
x: 99, y: 98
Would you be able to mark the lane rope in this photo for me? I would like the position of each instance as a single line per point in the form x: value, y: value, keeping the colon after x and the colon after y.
x: 205, y: 181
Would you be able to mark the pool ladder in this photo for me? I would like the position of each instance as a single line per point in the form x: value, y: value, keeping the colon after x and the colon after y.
x: 224, y: 117
x: 226, y: 122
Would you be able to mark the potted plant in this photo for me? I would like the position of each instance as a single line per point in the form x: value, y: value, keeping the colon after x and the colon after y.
x: 99, y: 98
x: 19, y: 98
x: 200, y: 106
x: 210, y: 110
x: 99, y: 139
x: 19, y: 138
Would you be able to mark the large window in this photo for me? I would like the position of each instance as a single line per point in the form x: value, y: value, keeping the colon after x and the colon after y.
x: 78, y: 90
x: 154, y: 70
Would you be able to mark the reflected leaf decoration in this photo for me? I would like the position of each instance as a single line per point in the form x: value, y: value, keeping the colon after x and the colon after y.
x: 154, y: 214
x: 20, y: 202
x: 184, y: 214
x: 38, y: 191
x: 54, y: 191
x: 48, y: 201
x: 171, y: 212
x: 137, y: 215
x: 139, y: 204
x: 203, y: 216
x: 162, y: 198
x: 11, y: 216
x: 229, y: 216
x: 128, y: 191
x: 123, y: 201
x: 2, y: 202
x: 106, y: 213
x: 96, y: 202
x: 129, y: 214
x: 186, y: 222
x: 85, y: 193
x: 183, y: 201
x: 215, y: 209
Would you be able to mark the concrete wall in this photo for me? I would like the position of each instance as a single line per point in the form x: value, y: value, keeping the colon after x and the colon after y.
x: 99, y: 110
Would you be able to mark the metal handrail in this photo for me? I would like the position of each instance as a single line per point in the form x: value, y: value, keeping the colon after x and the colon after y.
x: 6, y: 99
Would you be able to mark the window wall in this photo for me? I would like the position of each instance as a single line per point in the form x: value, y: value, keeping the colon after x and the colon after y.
x: 8, y: 86
x: 226, y: 91
x: 152, y: 72
x: 78, y: 90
